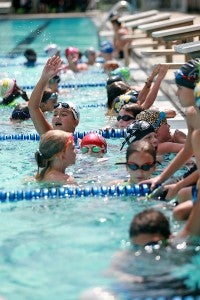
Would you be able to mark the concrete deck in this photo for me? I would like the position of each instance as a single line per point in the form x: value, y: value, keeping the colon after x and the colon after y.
x: 141, y: 67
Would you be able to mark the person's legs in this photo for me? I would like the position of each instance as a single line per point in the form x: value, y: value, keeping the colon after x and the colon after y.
x: 182, y: 211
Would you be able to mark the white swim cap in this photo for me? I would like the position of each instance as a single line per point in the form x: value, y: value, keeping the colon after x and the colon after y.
x: 52, y: 49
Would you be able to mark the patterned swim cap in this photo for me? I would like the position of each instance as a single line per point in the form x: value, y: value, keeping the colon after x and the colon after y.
x: 154, y: 117
x: 188, y: 74
x: 7, y: 86
x: 136, y: 131
x: 122, y: 100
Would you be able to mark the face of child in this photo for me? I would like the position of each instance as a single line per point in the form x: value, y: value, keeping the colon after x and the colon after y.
x: 63, y: 119
x: 73, y: 57
x: 185, y: 95
x: 151, y: 138
x: 163, y: 133
x: 141, y: 159
x: 93, y: 150
x: 124, y: 119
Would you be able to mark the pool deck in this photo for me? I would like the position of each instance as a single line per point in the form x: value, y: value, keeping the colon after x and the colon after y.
x: 141, y: 67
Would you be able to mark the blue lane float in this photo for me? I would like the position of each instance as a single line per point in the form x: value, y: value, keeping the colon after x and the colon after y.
x: 74, y: 192
x: 70, y: 85
x: 108, y: 133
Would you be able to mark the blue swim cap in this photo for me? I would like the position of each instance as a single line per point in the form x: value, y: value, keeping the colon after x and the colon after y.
x: 106, y: 47
x: 123, y: 72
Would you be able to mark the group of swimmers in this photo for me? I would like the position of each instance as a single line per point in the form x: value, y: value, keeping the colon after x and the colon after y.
x: 147, y: 136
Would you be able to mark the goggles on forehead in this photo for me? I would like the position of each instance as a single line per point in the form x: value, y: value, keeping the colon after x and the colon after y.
x: 145, y: 167
x: 67, y: 106
x: 94, y: 149
x: 125, y: 118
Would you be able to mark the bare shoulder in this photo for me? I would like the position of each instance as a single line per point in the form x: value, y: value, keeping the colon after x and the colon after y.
x: 193, y: 117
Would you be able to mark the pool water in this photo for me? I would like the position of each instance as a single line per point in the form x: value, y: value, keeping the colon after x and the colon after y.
x: 57, y: 248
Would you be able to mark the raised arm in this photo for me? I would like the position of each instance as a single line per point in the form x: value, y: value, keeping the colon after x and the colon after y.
x: 51, y: 68
x: 153, y: 92
x: 145, y: 90
x: 180, y: 159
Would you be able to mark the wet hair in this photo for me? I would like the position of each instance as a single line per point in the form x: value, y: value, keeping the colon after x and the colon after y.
x: 150, y: 221
x: 141, y: 146
x: 21, y: 112
x: 114, y: 90
x: 30, y: 55
x: 188, y: 74
x: 134, y: 109
x: 51, y: 143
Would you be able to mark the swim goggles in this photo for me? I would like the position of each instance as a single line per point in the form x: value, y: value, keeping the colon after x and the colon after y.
x: 125, y: 118
x: 145, y: 167
x: 53, y: 96
x: 67, y: 106
x: 94, y: 149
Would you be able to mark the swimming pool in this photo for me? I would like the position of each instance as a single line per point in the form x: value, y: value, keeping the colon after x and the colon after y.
x: 55, y: 248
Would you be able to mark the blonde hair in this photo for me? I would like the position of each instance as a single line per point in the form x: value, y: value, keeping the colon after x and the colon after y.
x: 51, y: 143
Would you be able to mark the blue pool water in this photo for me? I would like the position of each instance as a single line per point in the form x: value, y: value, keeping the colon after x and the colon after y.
x: 57, y: 248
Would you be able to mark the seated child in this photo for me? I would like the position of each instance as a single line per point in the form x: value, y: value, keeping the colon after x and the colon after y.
x: 56, y: 152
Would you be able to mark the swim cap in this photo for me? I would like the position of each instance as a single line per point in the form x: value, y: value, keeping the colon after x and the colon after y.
x: 71, y: 50
x: 154, y: 117
x: 21, y: 112
x: 188, y: 74
x: 52, y: 49
x: 136, y: 131
x: 7, y: 86
x: 96, y: 139
x: 112, y: 79
x: 123, y: 72
x: 106, y: 47
x: 122, y: 100
x: 89, y: 51
x: 69, y: 105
